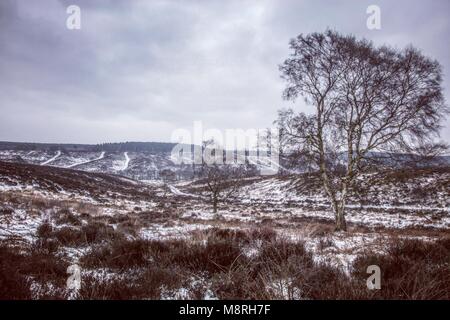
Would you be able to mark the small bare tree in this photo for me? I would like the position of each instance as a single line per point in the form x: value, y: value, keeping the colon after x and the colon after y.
x: 279, y: 143
x: 222, y: 182
x: 365, y: 100
x: 168, y: 175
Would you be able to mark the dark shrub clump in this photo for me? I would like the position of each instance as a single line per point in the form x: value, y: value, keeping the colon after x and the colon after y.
x: 411, y: 269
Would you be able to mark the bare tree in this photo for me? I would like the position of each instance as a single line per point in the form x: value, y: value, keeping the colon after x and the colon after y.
x: 168, y: 175
x: 365, y: 100
x: 274, y: 140
x: 286, y: 142
x: 222, y: 182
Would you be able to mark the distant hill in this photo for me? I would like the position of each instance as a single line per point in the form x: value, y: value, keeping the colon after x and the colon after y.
x: 137, y: 146
x: 109, y: 147
x: 153, y: 160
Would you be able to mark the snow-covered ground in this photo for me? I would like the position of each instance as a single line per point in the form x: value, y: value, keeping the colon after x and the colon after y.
x: 177, y: 192
x: 175, y: 230
x: 153, y: 210
x: 101, y: 156
x: 58, y: 153
x: 136, y: 165
x: 20, y: 224
x: 125, y: 163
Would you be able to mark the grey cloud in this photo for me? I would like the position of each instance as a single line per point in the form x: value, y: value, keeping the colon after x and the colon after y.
x: 139, y: 69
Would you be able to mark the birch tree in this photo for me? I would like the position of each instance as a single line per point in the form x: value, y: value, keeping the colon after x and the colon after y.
x: 362, y: 99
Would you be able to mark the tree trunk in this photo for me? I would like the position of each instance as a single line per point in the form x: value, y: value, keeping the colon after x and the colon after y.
x: 215, y: 205
x: 339, y: 212
x: 338, y: 205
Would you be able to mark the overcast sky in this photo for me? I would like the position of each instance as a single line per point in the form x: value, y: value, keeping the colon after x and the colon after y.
x: 137, y: 70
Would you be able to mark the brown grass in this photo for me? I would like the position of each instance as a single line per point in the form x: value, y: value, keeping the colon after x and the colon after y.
x: 94, y: 232
x: 19, y: 270
x: 280, y: 269
x: 411, y: 269
x: 144, y: 285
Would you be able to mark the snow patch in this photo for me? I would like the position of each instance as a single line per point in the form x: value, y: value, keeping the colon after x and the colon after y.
x: 58, y: 153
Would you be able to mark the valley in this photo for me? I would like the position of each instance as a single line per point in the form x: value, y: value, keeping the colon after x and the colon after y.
x: 82, y: 217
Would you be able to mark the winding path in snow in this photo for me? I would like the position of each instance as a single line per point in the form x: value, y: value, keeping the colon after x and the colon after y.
x: 102, y: 155
x: 272, y: 163
x: 58, y: 153
x: 127, y: 162
x: 177, y: 192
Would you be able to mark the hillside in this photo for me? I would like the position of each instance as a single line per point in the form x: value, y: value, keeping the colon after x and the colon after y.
x: 139, y: 165
x: 114, y: 227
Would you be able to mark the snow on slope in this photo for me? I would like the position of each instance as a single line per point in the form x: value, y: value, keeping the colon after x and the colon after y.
x: 177, y: 192
x: 135, y: 165
x: 102, y: 155
x: 421, y: 201
x: 20, y: 223
x: 52, y: 159
x: 127, y: 161
x: 121, y: 165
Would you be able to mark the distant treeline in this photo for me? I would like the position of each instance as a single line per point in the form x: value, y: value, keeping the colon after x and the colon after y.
x: 137, y: 146
x: 109, y: 147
